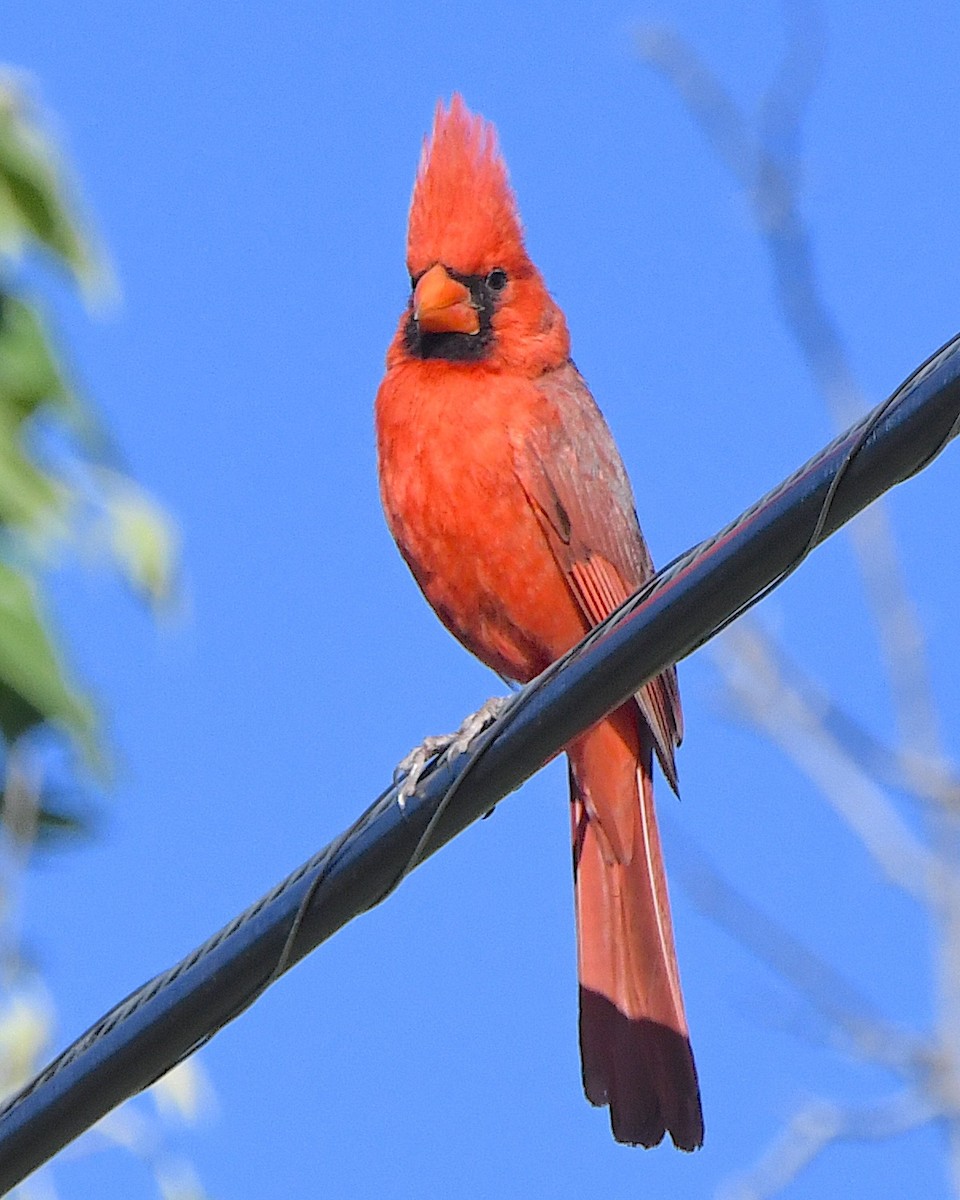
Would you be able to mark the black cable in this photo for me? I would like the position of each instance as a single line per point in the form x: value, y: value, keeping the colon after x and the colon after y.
x: 680, y: 608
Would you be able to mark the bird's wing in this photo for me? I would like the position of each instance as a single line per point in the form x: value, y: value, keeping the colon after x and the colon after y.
x: 576, y: 483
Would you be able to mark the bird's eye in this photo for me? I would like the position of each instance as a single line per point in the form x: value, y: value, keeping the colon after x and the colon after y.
x: 497, y: 280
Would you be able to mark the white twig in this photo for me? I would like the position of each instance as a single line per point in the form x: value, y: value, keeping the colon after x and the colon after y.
x: 766, y: 165
x: 862, y: 1030
x: 849, y: 770
x: 753, y: 674
x: 816, y: 1127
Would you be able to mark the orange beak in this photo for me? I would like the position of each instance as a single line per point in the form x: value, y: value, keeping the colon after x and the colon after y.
x: 442, y: 305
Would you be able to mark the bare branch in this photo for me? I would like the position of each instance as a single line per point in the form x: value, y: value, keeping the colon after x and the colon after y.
x: 833, y: 998
x: 927, y: 781
x: 708, y: 100
x: 766, y: 165
x: 849, y: 766
x: 818, y: 1126
x: 790, y: 718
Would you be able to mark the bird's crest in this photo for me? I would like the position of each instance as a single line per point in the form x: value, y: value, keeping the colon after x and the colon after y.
x: 463, y: 212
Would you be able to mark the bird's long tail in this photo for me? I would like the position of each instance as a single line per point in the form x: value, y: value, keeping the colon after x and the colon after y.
x: 634, y: 1043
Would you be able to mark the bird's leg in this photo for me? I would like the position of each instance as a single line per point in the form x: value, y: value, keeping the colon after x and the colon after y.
x: 445, y: 746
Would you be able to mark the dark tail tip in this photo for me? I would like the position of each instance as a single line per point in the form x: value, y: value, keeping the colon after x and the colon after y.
x: 644, y: 1071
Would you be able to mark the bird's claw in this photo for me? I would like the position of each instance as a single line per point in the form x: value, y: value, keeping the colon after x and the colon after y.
x: 447, y: 746
x: 412, y: 766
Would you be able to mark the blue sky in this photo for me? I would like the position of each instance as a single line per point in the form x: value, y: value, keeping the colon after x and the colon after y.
x: 249, y: 167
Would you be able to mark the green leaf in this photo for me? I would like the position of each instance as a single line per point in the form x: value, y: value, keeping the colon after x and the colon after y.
x: 33, y: 677
x: 35, y: 812
x: 32, y: 193
x: 60, y: 819
x: 30, y: 378
x: 141, y: 537
x: 29, y: 373
x: 29, y: 496
x: 17, y: 715
x: 60, y: 824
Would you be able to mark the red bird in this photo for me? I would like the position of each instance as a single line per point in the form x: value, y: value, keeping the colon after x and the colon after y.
x: 508, y: 500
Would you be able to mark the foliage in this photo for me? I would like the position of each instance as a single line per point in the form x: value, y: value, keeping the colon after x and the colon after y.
x: 50, y: 502
x: 61, y: 490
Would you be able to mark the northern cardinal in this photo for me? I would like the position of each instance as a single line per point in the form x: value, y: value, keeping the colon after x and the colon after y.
x: 507, y: 498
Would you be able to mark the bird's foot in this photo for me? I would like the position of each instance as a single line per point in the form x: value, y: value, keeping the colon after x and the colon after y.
x: 446, y: 746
